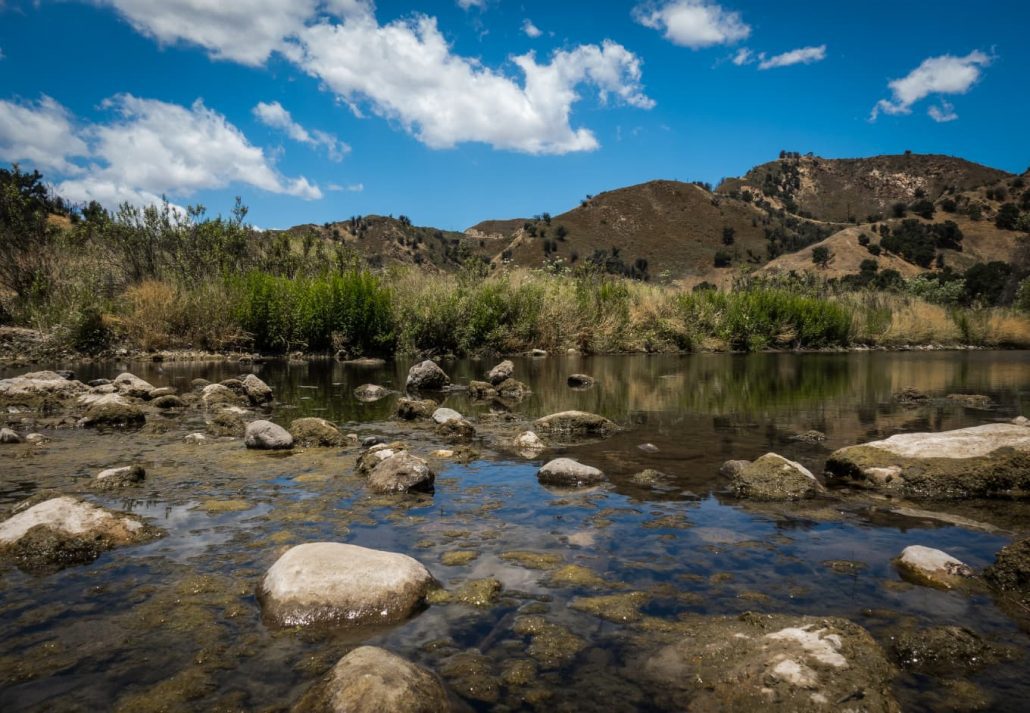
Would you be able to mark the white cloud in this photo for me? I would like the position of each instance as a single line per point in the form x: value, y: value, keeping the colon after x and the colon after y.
x: 350, y: 187
x: 743, y: 56
x: 468, y: 4
x: 244, y: 31
x: 943, y: 113
x: 406, y: 72
x: 693, y: 23
x: 41, y: 133
x: 275, y: 115
x: 946, y: 74
x: 530, y: 29
x: 802, y: 55
x: 150, y: 149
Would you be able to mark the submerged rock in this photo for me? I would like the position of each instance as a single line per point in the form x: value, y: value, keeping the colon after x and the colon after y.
x: 982, y: 461
x: 529, y: 444
x: 267, y: 436
x: 513, y: 390
x: 427, y: 375
x: 769, y: 663
x: 133, y: 386
x: 256, y: 390
x: 371, y: 392
x: 316, y: 432
x: 481, y: 390
x: 580, y: 381
x: 336, y: 584
x: 219, y: 395
x: 373, y: 680
x: 772, y: 477
x: 227, y: 421
x: 565, y: 472
x: 411, y: 409
x: 473, y: 593
x: 401, y: 473
x: 39, y: 384
x: 930, y: 567
x: 1011, y: 568
x: 812, y: 437
x: 576, y: 423
x: 500, y: 373
x: 650, y: 478
x: 456, y: 430
x: 973, y: 401
x: 122, y: 477
x: 64, y: 531
x: 112, y: 411
x: 942, y: 650
x: 7, y: 436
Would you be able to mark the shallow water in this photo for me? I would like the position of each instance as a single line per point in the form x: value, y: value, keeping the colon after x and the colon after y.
x: 174, y: 625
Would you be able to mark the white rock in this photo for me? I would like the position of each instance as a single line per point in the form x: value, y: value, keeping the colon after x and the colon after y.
x: 67, y: 515
x: 501, y: 372
x: 268, y: 436
x: 932, y: 567
x: 8, y: 436
x: 566, y: 472
x: 444, y: 415
x: 257, y: 391
x: 132, y: 385
x: 40, y: 383
x: 195, y: 438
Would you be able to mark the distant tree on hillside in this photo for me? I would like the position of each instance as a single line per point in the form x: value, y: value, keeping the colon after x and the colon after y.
x: 822, y: 256
x: 1008, y: 217
x: 728, y: 235
x: 723, y: 259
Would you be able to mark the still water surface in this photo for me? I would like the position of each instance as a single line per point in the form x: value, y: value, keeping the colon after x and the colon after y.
x: 174, y: 625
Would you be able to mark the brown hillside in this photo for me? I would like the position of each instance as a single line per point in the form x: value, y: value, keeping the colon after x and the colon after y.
x: 848, y: 189
x: 671, y: 227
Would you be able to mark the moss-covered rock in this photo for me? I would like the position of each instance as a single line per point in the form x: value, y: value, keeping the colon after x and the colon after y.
x: 773, y: 477
x: 113, y: 412
x: 412, y: 409
x: 402, y: 473
x: 576, y: 423
x: 942, y: 650
x: 1011, y: 569
x: 317, y: 433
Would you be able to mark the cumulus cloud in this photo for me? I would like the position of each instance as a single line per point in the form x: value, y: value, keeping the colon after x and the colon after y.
x: 943, y: 113
x: 946, y: 74
x: 42, y: 133
x: 743, y: 56
x: 693, y: 23
x: 405, y: 71
x: 150, y: 149
x: 468, y: 4
x: 802, y: 55
x: 530, y: 29
x: 244, y: 31
x: 275, y: 115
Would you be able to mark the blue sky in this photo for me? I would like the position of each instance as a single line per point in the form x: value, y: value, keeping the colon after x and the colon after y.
x: 316, y: 110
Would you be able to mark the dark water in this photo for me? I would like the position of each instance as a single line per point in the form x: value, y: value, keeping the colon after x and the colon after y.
x: 173, y: 625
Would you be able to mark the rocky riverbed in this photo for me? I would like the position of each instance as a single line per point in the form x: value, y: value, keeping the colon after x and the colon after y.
x: 664, y: 533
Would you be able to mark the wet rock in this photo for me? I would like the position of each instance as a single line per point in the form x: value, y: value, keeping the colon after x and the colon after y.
x: 37, y: 439
x: 989, y: 460
x: 337, y: 584
x: 214, y: 395
x: 411, y: 409
x: 98, y: 382
x: 369, y: 441
x: 267, y: 436
x: 443, y: 415
x: 39, y: 384
x: 551, y: 645
x: 471, y: 674
x: 942, y: 650
x: 769, y: 663
x: 457, y: 558
x: 474, y: 593
x: 502, y: 372
x: 1021, y: 421
x: 650, y: 478
x: 456, y: 431
x: 163, y: 391
x: 533, y: 560
x: 368, y: 393
x: 577, y: 423
x: 580, y: 381
x: 256, y: 390
x: 974, y: 401
x: 537, y: 353
x: 112, y: 411
x: 613, y: 607
x: 316, y: 433
x: 732, y: 468
x: 513, y: 390
x: 373, y: 680
x: 401, y: 473
x: 1011, y: 569
x: 125, y: 476
x: 930, y: 567
x: 575, y: 575
x: 195, y: 438
x: 63, y: 531
x: 168, y: 401
x: 565, y: 472
x: 376, y: 454
x: 199, y: 384
x: 529, y: 445
x: 132, y: 386
x: 7, y: 436
x: 910, y: 397
x: 428, y: 376
x: 647, y: 448
x: 773, y: 477
x: 812, y: 438
x: 481, y: 390
x: 227, y: 421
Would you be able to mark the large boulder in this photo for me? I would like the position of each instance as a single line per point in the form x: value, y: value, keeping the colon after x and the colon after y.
x: 317, y: 432
x: 62, y: 531
x: 568, y: 473
x: 337, y: 584
x: 214, y: 395
x: 401, y: 473
x: 373, y: 680
x: 227, y: 421
x: 576, y: 423
x: 367, y: 393
x: 500, y: 373
x: 376, y: 454
x: 982, y: 461
x: 39, y: 384
x: 267, y: 436
x: 257, y: 391
x: 773, y: 477
x: 412, y: 409
x: 427, y: 375
x: 775, y: 663
x: 112, y: 411
x: 133, y: 386
x: 932, y: 568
